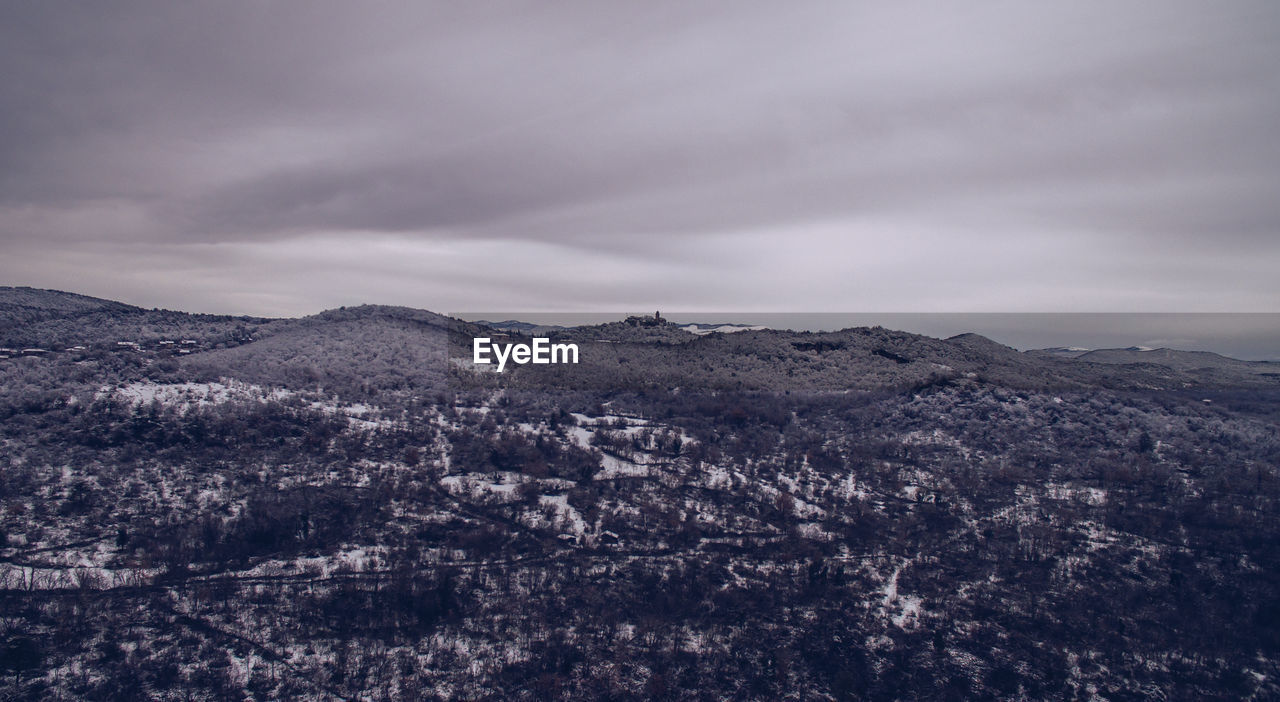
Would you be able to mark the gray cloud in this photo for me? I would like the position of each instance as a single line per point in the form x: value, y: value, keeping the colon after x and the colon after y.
x: 730, y: 156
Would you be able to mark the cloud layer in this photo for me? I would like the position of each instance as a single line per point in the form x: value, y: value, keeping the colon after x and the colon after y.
x: 277, y: 158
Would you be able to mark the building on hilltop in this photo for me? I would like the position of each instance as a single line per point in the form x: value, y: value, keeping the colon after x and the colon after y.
x: 642, y: 321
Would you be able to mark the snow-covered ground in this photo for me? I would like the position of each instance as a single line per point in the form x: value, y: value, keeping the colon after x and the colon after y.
x: 187, y: 395
x: 565, y: 512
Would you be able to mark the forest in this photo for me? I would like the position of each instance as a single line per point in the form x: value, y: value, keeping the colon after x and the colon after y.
x: 336, y: 507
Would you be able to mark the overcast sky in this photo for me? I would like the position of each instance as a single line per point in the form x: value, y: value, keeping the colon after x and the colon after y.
x: 280, y: 158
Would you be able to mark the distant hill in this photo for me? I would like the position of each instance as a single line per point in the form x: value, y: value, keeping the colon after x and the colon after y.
x: 698, y: 328
x: 1060, y: 352
x: 371, y: 348
x: 624, y: 356
x: 19, y: 306
x: 1200, y: 362
x: 352, y: 349
x: 55, y: 320
x: 702, y: 328
x: 513, y: 325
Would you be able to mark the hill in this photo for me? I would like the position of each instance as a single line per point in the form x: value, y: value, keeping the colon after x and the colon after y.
x: 29, y: 305
x: 1199, y: 362
x: 341, y: 506
x: 353, y: 351
x: 55, y: 320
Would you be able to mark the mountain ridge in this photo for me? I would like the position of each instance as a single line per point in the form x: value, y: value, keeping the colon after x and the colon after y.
x: 414, y: 344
